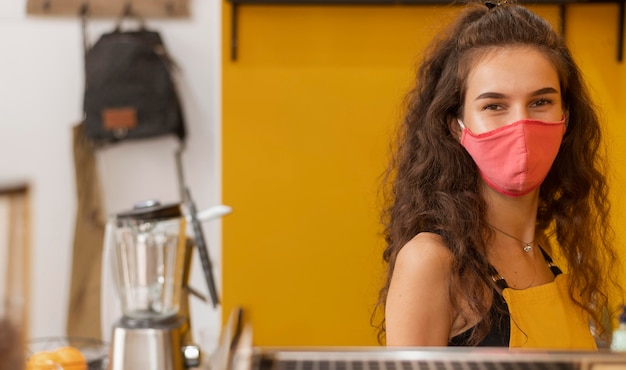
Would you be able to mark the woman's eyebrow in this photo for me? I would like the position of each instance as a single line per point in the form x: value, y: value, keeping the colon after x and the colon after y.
x: 497, y: 95
x: 491, y: 95
x: 545, y: 90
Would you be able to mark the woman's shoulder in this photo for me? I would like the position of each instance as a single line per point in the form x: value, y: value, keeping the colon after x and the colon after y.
x: 418, y: 308
x: 426, y: 260
x: 426, y: 248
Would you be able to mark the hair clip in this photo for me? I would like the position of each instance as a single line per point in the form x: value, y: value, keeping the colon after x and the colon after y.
x: 492, y: 5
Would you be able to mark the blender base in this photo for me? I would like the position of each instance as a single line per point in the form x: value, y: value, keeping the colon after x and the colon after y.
x: 154, y: 348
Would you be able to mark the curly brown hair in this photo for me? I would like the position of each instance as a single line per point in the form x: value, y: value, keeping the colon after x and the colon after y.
x: 432, y: 184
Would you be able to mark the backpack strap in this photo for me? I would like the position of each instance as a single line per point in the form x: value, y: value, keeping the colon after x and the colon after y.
x: 129, y: 13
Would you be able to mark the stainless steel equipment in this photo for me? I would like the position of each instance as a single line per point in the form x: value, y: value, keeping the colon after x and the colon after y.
x: 236, y: 352
x: 151, y: 269
x: 428, y: 358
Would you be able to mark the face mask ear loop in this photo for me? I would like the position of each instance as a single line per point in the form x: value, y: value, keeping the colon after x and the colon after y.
x: 461, y: 123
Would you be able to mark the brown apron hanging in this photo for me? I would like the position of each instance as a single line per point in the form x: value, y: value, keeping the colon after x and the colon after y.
x: 83, y: 319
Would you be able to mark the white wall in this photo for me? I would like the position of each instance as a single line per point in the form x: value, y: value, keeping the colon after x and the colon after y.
x: 41, y: 84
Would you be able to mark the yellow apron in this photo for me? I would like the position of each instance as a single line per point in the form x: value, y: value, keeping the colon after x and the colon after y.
x: 545, y: 317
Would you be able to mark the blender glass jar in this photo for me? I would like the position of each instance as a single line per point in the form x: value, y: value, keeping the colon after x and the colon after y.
x: 149, y: 251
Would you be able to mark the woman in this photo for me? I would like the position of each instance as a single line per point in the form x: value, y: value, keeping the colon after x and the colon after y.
x: 498, y: 168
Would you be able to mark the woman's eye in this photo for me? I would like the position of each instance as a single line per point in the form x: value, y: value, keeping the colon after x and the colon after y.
x: 541, y: 102
x: 492, y: 107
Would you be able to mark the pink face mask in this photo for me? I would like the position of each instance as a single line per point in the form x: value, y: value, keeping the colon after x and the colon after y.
x: 516, y: 158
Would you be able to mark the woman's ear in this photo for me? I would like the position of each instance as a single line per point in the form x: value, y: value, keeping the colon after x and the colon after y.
x: 455, y: 128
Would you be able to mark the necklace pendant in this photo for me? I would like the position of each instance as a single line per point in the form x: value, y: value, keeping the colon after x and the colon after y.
x: 528, y: 248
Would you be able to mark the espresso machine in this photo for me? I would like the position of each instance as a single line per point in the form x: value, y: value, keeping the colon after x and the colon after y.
x: 151, y: 259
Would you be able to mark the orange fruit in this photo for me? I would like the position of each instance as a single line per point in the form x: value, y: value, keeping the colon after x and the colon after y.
x: 71, y: 358
x: 44, y: 360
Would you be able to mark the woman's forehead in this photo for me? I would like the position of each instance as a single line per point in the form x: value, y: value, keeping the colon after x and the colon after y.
x: 511, y: 69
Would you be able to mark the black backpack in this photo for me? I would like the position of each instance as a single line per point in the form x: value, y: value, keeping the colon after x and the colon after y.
x: 129, y: 89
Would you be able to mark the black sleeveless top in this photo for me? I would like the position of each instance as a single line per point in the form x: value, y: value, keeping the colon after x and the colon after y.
x: 500, y: 330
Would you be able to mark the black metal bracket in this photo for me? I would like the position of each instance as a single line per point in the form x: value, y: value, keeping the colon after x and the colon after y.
x: 620, y: 31
x: 233, y: 30
x: 562, y: 12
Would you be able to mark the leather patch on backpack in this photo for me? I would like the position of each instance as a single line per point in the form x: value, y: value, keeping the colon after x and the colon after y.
x: 119, y: 118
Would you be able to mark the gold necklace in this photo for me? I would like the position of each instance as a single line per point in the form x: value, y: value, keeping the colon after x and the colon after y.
x: 527, y: 245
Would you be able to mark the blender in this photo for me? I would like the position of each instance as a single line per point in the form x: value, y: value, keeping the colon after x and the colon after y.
x: 151, y: 262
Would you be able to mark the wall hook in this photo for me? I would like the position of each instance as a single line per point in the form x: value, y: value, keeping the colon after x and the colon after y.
x: 84, y: 9
x: 128, y: 9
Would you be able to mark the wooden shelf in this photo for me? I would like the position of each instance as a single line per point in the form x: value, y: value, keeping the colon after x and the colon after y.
x: 109, y: 8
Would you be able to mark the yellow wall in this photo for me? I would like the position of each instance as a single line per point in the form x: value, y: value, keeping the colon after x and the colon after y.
x: 308, y: 109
